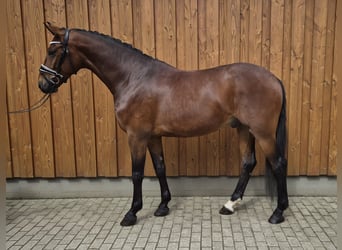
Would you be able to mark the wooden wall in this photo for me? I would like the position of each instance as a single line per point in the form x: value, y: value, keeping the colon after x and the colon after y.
x: 76, y: 135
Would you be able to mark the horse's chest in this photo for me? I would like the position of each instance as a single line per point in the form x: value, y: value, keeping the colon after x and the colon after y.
x: 133, y: 114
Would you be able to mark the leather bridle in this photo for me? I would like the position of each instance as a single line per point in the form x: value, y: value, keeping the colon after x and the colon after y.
x: 56, y: 78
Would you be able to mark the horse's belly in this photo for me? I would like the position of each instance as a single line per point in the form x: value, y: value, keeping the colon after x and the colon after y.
x: 191, y: 125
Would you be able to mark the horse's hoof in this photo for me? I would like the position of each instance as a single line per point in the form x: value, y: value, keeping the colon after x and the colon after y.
x: 226, y: 211
x: 128, y: 220
x: 162, y: 211
x: 277, y: 217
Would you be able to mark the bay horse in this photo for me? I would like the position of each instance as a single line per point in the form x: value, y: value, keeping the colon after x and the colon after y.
x: 153, y: 99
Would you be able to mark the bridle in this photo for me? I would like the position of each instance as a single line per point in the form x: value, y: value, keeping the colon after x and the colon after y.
x: 56, y: 78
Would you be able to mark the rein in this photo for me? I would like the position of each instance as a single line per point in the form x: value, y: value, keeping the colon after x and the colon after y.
x: 33, y: 107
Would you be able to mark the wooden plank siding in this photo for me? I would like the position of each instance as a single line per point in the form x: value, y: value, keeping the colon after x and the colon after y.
x: 62, y: 112
x: 75, y: 134
x: 17, y: 95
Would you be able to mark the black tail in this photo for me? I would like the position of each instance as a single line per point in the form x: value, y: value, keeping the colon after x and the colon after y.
x: 281, y: 135
x: 281, y: 144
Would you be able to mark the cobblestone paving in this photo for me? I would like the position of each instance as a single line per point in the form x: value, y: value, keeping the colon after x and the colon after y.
x: 193, y: 223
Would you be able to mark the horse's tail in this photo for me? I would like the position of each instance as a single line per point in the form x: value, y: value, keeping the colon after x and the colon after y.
x: 281, y: 135
x: 281, y: 143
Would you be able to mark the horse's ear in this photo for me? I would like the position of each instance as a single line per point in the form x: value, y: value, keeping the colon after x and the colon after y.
x: 52, y: 28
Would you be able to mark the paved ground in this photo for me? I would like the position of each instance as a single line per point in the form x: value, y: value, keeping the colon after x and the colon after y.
x: 193, y: 223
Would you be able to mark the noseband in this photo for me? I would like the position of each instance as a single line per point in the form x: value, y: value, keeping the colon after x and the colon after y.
x: 56, y: 77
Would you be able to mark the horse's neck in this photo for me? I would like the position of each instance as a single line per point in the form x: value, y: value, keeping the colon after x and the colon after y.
x: 112, y: 63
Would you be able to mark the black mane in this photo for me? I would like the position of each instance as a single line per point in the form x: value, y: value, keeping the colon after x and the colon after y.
x: 116, y: 41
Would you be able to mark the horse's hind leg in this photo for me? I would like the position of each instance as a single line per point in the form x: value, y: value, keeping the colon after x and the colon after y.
x: 247, y: 149
x: 279, y: 169
x: 156, y: 150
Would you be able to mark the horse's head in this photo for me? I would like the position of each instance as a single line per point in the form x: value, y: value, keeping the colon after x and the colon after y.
x: 58, y: 65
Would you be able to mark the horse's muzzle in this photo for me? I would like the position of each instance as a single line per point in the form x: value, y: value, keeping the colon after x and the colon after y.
x: 47, y: 88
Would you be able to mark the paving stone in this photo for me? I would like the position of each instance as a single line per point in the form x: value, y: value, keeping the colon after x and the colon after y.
x: 193, y: 223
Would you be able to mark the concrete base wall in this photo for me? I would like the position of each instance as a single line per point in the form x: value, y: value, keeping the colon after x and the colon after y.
x: 179, y: 186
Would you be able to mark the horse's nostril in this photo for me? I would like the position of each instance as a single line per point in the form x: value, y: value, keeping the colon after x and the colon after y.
x: 54, y: 79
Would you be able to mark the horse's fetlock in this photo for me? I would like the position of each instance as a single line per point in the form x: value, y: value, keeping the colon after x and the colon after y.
x: 137, y: 205
x: 283, y: 204
x: 236, y: 196
x: 166, y: 196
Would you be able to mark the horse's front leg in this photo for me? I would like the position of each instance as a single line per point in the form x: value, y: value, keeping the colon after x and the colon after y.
x: 138, y: 155
x: 156, y: 150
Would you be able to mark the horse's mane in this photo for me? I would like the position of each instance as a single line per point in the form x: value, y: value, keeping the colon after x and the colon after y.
x: 116, y: 41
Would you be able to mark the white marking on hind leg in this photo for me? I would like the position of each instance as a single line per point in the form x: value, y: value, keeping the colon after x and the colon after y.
x: 230, y: 205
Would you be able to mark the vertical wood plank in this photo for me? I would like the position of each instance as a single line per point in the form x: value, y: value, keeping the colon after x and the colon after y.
x: 20, y: 135
x: 62, y: 120
x: 255, y: 31
x: 327, y: 86
x: 295, y: 86
x: 208, y: 36
x: 318, y: 58
x: 254, y: 56
x: 229, y: 53
x: 244, y: 34
x: 308, y: 41
x: 122, y: 28
x: 266, y: 33
x: 7, y: 142
x: 105, y: 123
x: 335, y: 132
x: 187, y: 59
x: 82, y: 96
x: 143, y: 18
x: 287, y: 36
x: 144, y: 39
x: 165, y: 28
x: 277, y: 27
x: 34, y: 36
x: 335, y: 103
